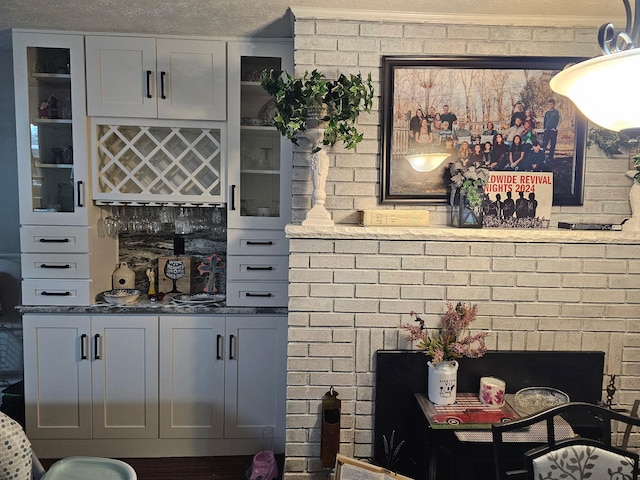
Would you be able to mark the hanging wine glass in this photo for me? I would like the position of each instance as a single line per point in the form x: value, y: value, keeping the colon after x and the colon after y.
x: 174, y: 270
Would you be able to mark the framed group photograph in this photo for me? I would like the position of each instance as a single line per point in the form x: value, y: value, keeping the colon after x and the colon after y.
x: 439, y: 109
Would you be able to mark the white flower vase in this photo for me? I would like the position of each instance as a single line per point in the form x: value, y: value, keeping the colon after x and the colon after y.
x: 633, y: 223
x: 442, y: 382
x: 319, y: 162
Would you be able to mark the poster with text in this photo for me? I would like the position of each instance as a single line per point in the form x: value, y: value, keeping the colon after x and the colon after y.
x: 518, y: 199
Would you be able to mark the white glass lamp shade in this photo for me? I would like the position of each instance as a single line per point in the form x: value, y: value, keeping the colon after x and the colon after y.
x: 426, y: 162
x: 605, y: 89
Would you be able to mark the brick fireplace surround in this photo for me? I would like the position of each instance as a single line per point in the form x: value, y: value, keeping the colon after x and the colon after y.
x: 352, y: 287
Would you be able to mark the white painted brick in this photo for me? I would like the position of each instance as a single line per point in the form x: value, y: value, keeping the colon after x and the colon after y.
x: 537, y: 250
x: 356, y: 246
x: 401, y: 277
x: 492, y: 279
x: 482, y: 264
x: 604, y: 266
x: 559, y: 265
x: 332, y: 261
x: 356, y: 276
x: 356, y: 306
x: 583, y: 280
x: 430, y: 292
x: 513, y: 265
x: 423, y: 263
x: 559, y: 295
x: 359, y: 44
x: 311, y: 304
x: 471, y: 294
x: 378, y: 30
x: 425, y: 31
x: 337, y: 28
x: 315, y: 42
x: 546, y: 280
x: 309, y: 365
x: 331, y: 350
x: 331, y: 320
x: 336, y: 58
x: 381, y: 262
x: 399, y: 46
x: 407, y: 248
x: 310, y: 276
x: 376, y: 291
x: 447, y: 278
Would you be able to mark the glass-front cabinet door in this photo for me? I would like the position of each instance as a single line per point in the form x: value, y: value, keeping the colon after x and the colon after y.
x: 51, y: 128
x: 259, y: 157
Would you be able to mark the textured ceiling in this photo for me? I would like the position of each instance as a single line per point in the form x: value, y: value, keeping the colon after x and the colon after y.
x: 259, y: 18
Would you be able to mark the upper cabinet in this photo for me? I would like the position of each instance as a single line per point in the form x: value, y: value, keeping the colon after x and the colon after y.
x: 156, y: 78
x: 260, y: 158
x: 51, y: 128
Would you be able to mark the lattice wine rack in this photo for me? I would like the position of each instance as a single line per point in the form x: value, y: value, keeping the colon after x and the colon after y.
x: 158, y: 164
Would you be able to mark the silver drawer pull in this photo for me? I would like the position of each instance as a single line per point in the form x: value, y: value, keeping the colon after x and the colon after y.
x: 56, y: 294
x: 249, y: 267
x: 44, y: 265
x: 249, y: 294
x: 53, y: 240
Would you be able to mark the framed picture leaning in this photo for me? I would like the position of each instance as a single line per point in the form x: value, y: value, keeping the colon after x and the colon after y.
x: 450, y: 104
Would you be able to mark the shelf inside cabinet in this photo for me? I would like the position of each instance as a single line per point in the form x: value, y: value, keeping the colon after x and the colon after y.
x: 50, y: 121
x: 260, y: 172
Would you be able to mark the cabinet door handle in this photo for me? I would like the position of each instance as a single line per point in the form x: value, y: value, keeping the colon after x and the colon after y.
x: 263, y: 244
x: 162, y: 75
x: 80, y: 191
x: 83, y: 346
x: 233, y: 197
x: 44, y: 265
x: 232, y: 341
x: 55, y: 294
x: 219, y: 347
x: 97, y: 346
x: 53, y: 240
x: 250, y: 294
x: 149, y: 72
x: 250, y: 268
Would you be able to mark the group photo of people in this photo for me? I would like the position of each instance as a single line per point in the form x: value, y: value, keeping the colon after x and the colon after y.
x: 502, y: 119
x: 525, y: 143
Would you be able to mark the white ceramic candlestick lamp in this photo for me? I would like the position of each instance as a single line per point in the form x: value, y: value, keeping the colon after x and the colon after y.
x: 319, y: 162
x: 605, y: 89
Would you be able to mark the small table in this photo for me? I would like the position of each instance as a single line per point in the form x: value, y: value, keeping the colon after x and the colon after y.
x: 470, y: 421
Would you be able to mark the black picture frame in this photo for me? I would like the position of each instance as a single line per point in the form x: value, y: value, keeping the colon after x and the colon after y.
x: 412, y: 82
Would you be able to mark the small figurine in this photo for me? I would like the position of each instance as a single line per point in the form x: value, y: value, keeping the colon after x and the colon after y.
x: 151, y: 275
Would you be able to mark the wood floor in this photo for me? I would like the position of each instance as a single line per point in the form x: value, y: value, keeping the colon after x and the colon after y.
x: 191, y: 468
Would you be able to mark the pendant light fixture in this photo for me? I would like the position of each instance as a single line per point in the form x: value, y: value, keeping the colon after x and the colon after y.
x: 605, y: 88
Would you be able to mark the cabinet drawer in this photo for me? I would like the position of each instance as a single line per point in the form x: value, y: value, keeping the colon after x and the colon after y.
x: 61, y: 239
x: 56, y: 292
x: 254, y: 267
x: 55, y: 265
x: 257, y: 242
x: 257, y: 294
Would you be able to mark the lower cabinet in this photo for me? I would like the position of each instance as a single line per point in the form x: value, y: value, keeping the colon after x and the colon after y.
x: 158, y: 384
x: 222, y: 377
x: 91, y: 377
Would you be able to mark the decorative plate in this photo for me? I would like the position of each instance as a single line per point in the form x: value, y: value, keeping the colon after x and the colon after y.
x: 198, y: 299
x: 532, y: 400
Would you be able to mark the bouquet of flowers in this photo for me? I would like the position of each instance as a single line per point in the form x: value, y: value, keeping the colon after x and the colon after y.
x: 469, y: 180
x: 451, y: 339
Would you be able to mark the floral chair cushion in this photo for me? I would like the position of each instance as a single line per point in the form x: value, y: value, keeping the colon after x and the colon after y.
x: 578, y: 462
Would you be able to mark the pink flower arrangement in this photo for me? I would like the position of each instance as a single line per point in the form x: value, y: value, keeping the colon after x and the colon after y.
x: 450, y: 340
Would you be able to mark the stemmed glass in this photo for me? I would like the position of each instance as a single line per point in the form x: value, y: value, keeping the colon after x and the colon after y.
x: 111, y: 224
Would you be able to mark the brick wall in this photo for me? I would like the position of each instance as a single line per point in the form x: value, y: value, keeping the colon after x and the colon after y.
x: 351, y: 46
x: 351, y: 287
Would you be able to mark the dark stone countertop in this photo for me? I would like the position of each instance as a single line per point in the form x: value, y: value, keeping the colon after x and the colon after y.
x: 144, y: 306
